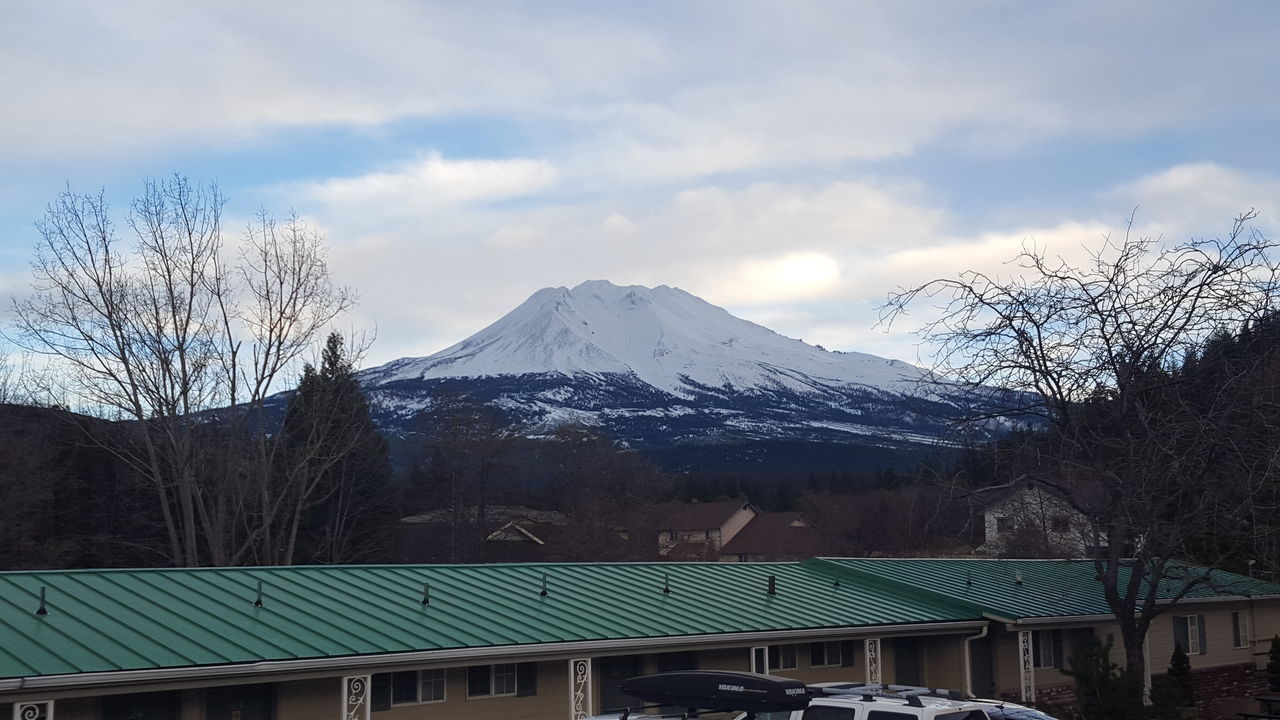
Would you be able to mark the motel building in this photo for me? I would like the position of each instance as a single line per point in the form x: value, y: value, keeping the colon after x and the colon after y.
x: 552, y: 641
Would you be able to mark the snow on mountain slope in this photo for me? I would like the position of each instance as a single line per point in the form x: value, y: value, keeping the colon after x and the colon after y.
x: 663, y: 336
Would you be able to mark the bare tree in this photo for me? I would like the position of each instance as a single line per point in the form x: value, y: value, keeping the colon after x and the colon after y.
x: 1096, y: 355
x: 184, y: 339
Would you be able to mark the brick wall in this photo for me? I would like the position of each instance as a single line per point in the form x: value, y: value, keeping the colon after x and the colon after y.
x: 1056, y: 696
x: 1223, y: 691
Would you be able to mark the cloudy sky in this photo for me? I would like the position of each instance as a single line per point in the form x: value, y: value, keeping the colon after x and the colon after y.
x: 791, y: 161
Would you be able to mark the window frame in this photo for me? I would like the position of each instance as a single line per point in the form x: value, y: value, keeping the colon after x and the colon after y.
x: 780, y: 653
x: 826, y: 654
x: 527, y: 670
x: 443, y: 680
x: 1241, y: 631
x: 1046, y: 649
x: 1195, y: 629
x: 420, y: 678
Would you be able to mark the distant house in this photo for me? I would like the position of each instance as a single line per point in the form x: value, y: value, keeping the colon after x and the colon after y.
x: 778, y: 536
x: 514, y: 533
x: 1031, y: 519
x: 697, y: 531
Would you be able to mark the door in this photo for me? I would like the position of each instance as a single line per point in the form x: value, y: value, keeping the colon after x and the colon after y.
x: 760, y: 660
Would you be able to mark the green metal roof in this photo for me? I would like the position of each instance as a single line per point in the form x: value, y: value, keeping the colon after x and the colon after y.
x: 109, y: 620
x: 125, y: 620
x: 1047, y: 588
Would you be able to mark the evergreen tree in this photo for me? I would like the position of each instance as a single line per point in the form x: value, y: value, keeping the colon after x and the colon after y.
x: 348, y: 515
x: 1273, y: 665
x: 1180, y: 675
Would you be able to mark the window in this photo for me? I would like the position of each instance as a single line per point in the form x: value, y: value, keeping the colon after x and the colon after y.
x: 782, y: 657
x: 667, y: 662
x: 1046, y: 648
x: 431, y: 685
x: 827, y: 712
x: 407, y: 687
x: 142, y: 706
x: 888, y: 715
x: 830, y: 654
x: 1240, y: 629
x: 1004, y: 525
x: 1189, y: 632
x: 1060, y: 523
x: 502, y: 679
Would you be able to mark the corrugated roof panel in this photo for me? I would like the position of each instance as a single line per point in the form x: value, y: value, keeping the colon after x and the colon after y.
x: 103, y: 620
x: 1025, y: 588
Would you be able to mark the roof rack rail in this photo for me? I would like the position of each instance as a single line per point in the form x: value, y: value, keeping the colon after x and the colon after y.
x: 873, y: 690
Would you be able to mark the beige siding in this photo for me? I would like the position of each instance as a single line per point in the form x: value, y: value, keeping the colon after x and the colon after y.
x: 1217, y: 625
x: 308, y: 700
x: 943, y: 662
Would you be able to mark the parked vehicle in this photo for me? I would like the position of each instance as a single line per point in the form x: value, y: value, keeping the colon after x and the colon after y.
x: 711, y: 693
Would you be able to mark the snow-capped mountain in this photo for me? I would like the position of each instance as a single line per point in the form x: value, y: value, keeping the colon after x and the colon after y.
x: 659, y: 367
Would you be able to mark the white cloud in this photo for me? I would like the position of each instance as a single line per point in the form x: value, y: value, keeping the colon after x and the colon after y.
x: 1198, y: 199
x: 681, y: 90
x: 433, y: 180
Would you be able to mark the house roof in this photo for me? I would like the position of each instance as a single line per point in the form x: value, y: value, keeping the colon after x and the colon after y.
x: 1025, y: 589
x: 105, y: 621
x: 111, y: 620
x: 492, y: 513
x: 698, y: 516
x: 778, y: 534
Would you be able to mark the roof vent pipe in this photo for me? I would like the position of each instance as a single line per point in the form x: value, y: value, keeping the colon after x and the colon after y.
x: 258, y: 601
x: 773, y: 585
x: 1017, y: 577
x: 42, y: 610
x: 666, y: 584
x: 426, y: 593
x: 543, y: 591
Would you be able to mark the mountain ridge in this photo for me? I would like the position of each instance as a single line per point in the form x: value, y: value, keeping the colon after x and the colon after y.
x: 661, y: 369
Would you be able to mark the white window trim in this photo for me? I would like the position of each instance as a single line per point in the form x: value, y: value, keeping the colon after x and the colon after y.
x: 444, y: 679
x: 1043, y: 641
x: 1193, y: 634
x: 418, y: 689
x: 1240, y: 620
x: 826, y: 655
x: 492, y: 693
x: 795, y: 657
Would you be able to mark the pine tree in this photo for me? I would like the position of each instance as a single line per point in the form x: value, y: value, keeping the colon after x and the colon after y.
x: 1273, y: 665
x: 1180, y: 675
x: 348, y: 515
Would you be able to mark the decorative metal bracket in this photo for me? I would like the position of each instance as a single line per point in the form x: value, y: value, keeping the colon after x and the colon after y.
x: 355, y: 697
x: 1026, y: 667
x: 40, y: 710
x: 871, y: 648
x: 580, y: 687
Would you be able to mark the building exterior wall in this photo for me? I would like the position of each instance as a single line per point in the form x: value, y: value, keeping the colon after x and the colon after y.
x: 317, y: 699
x: 1218, y: 635
x: 318, y: 695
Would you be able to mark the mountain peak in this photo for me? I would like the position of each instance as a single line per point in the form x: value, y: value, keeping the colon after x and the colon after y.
x: 663, y: 336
